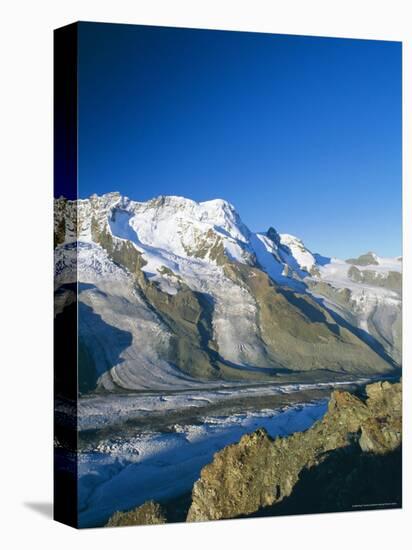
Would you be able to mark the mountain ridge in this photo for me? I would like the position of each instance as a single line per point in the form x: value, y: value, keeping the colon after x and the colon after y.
x: 201, y: 281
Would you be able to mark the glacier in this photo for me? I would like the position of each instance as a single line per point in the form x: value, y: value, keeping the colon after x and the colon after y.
x: 194, y: 330
x: 182, y: 244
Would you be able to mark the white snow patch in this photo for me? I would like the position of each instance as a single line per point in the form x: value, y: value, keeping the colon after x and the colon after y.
x: 300, y: 253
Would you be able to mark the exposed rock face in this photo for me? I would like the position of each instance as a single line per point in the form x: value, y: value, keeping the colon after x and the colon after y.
x: 391, y: 280
x: 364, y: 259
x: 298, y: 333
x: 378, y: 310
x: 382, y: 431
x: 149, y: 513
x: 259, y: 471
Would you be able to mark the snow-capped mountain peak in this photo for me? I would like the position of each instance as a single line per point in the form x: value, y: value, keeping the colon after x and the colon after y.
x: 303, y: 257
x: 193, y: 272
x: 182, y: 227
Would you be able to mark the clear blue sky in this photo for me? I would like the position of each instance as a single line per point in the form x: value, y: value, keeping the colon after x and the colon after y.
x: 300, y: 133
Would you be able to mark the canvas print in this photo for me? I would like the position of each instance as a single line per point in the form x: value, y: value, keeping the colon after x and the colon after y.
x: 228, y: 275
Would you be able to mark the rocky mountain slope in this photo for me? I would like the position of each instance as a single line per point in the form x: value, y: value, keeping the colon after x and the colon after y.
x: 150, y: 513
x: 174, y: 293
x: 349, y: 459
x: 259, y: 472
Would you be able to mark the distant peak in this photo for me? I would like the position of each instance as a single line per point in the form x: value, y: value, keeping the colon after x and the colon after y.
x: 164, y: 199
x: 109, y: 195
x: 291, y: 241
x: 218, y: 203
x: 273, y: 235
x: 370, y: 258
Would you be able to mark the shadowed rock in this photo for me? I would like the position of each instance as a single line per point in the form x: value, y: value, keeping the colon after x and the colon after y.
x: 347, y: 479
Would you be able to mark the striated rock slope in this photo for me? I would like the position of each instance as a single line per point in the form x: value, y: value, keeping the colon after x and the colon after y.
x: 259, y: 472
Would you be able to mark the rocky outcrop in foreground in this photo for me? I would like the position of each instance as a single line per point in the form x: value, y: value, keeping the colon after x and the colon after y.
x: 259, y: 472
x: 349, y: 460
x: 149, y: 513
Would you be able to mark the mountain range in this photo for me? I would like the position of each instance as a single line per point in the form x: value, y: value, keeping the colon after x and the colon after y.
x: 175, y: 294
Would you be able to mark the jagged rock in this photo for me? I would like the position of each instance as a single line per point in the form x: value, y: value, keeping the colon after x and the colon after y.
x: 149, y: 513
x: 347, y: 479
x: 259, y: 471
x: 391, y: 280
x: 369, y: 258
x: 382, y: 432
